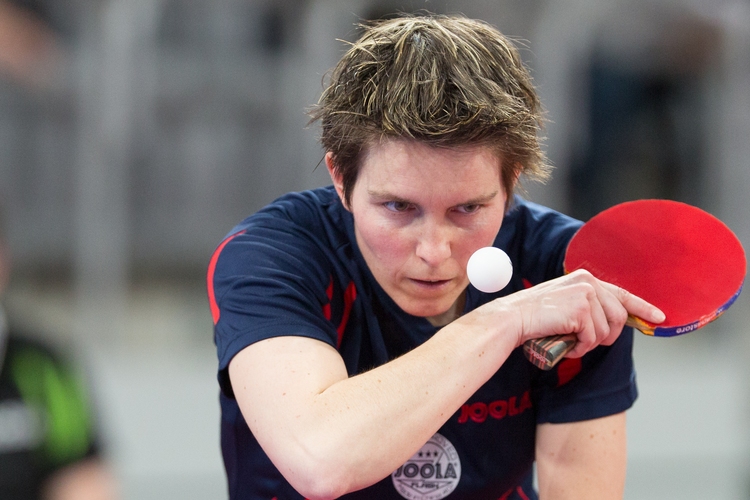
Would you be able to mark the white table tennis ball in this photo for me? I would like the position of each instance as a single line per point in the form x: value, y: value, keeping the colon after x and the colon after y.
x: 489, y: 269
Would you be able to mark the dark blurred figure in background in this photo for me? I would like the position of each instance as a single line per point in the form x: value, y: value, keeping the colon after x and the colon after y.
x: 48, y: 449
x: 48, y: 446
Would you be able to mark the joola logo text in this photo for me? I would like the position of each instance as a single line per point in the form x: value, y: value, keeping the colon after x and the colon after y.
x: 431, y: 474
x: 478, y: 412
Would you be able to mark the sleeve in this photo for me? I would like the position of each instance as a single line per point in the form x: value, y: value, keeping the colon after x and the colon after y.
x: 271, y: 278
x: 599, y: 384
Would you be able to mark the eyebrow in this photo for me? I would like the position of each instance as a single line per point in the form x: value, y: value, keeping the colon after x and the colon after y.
x: 481, y: 199
x: 385, y: 195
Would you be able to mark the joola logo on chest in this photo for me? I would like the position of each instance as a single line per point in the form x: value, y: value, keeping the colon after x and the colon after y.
x: 478, y: 412
x: 430, y: 474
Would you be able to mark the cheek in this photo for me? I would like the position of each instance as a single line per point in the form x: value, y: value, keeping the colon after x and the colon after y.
x: 383, y: 247
x: 490, y: 231
x: 483, y: 236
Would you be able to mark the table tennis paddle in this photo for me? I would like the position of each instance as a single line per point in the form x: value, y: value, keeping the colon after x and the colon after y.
x: 679, y: 258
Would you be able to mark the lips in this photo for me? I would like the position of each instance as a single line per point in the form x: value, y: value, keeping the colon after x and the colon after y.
x: 430, y: 283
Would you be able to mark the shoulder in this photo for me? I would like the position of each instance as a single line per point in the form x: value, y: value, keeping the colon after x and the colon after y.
x: 294, y: 221
x: 34, y: 361
x: 278, y: 272
x: 313, y: 209
x: 292, y: 232
x: 283, y: 261
x: 33, y: 350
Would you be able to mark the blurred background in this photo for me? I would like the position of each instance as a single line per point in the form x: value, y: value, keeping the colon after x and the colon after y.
x: 135, y: 133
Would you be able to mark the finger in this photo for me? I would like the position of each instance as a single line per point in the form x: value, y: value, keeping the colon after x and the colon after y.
x: 603, y: 308
x: 607, y: 316
x: 586, y: 339
x: 616, y: 315
x: 636, y: 306
x: 607, y: 313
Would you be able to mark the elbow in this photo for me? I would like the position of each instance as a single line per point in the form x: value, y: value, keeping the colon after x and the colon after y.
x: 320, y: 484
x: 320, y: 490
x: 323, y: 475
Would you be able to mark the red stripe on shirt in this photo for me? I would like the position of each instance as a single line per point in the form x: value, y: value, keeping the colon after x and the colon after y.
x: 521, y: 494
x: 327, y: 306
x: 215, y: 312
x: 350, y: 295
x: 567, y: 369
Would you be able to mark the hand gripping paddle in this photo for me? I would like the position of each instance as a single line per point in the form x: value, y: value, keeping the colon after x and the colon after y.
x: 679, y: 258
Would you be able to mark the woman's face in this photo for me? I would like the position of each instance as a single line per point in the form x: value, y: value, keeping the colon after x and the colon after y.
x: 419, y: 214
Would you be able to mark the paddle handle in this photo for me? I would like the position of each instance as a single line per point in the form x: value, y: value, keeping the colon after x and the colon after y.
x: 546, y: 352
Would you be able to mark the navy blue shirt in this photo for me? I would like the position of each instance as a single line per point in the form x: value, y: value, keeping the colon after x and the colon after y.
x: 294, y: 268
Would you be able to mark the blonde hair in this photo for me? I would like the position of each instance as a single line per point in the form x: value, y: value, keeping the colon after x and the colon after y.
x: 446, y: 81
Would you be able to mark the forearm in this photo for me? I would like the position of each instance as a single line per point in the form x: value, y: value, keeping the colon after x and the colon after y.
x: 400, y: 405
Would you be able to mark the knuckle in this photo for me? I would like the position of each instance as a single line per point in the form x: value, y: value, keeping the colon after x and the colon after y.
x: 581, y: 309
x: 582, y: 274
x: 587, y: 290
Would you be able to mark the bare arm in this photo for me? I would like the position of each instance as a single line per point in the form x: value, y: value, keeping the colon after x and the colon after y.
x: 329, y: 434
x: 582, y: 460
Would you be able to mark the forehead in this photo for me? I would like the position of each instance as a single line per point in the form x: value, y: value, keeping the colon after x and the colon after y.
x: 415, y: 149
x: 407, y: 167
x: 414, y: 156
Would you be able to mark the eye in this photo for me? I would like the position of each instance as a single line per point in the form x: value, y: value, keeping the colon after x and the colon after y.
x: 397, y: 206
x: 468, y: 209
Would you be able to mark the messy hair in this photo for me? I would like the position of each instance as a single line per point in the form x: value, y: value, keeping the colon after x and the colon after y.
x: 446, y: 81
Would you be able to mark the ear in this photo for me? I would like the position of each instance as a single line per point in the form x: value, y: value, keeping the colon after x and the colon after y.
x: 517, y: 171
x: 338, y: 180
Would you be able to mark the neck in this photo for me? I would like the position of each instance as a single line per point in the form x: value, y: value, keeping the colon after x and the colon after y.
x: 453, y: 312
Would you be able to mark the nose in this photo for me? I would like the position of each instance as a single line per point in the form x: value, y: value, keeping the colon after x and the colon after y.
x: 434, y: 243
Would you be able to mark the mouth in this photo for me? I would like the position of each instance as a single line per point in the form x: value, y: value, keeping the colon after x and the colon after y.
x: 430, y: 284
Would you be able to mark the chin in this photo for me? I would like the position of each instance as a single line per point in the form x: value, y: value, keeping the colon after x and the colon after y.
x: 425, y: 310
